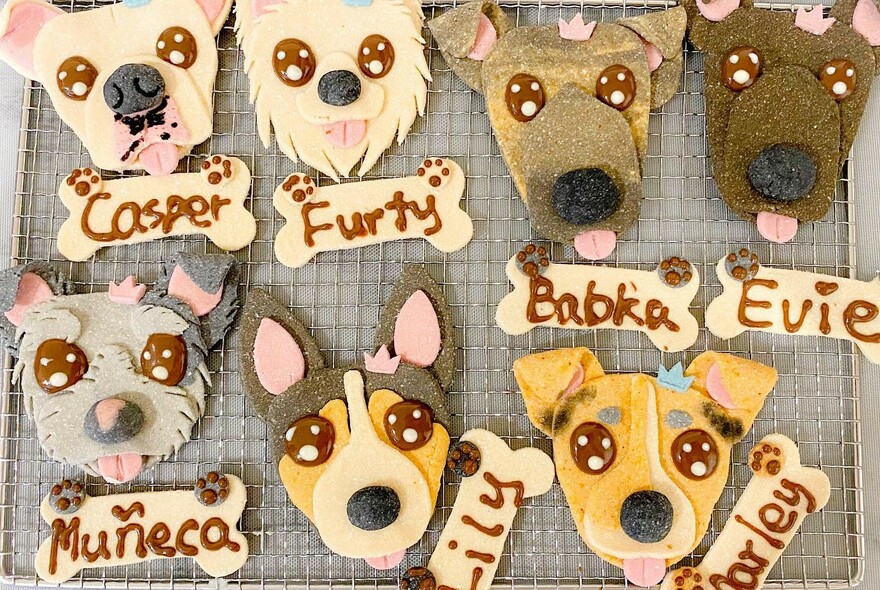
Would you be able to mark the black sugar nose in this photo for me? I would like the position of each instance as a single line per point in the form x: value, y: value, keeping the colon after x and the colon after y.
x: 373, y: 508
x: 646, y: 516
x: 112, y: 421
x: 585, y: 196
x: 782, y: 173
x: 339, y: 88
x: 133, y: 88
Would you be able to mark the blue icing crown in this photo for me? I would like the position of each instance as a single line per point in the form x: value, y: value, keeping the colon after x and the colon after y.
x: 674, y: 378
x: 136, y: 3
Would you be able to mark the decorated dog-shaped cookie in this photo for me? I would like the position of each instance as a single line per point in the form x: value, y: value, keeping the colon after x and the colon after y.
x: 337, y: 80
x: 116, y: 380
x: 360, y: 449
x: 134, y: 80
x: 642, y: 460
x: 784, y: 96
x: 569, y: 106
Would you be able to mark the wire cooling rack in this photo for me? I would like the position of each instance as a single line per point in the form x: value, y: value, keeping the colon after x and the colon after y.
x: 339, y: 296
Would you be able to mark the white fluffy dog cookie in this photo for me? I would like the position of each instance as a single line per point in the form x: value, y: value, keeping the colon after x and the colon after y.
x: 134, y: 80
x: 107, y: 213
x: 336, y: 79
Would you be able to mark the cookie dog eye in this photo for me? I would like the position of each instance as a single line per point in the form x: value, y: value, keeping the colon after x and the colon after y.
x: 294, y: 62
x: 695, y: 454
x: 76, y: 77
x: 741, y: 68
x: 178, y: 47
x: 309, y: 441
x: 592, y: 448
x: 838, y: 76
x: 375, y: 56
x: 409, y: 425
x: 59, y: 365
x: 164, y: 359
x: 616, y: 87
x: 525, y: 97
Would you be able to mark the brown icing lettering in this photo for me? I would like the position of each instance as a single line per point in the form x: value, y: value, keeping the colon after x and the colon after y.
x: 122, y: 535
x: 163, y: 359
x: 777, y: 525
x: 773, y: 542
x: 402, y: 206
x: 453, y: 544
x: 180, y: 543
x: 65, y: 537
x: 309, y: 229
x: 860, y: 312
x: 495, y: 531
x: 657, y: 314
x: 124, y: 514
x: 624, y: 306
x: 498, y: 501
x: 484, y: 557
x: 792, y: 327
x: 476, y: 575
x: 745, y: 303
x: 102, y: 552
x: 741, y: 575
x: 796, y: 490
x: 565, y: 308
x: 59, y: 365
x: 824, y: 325
x: 409, y: 425
x: 357, y: 227
x: 222, y: 541
x: 593, y: 318
x: 159, y: 535
x: 824, y: 288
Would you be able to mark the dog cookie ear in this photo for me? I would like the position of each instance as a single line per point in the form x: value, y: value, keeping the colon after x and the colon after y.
x: 662, y: 34
x: 23, y: 287
x: 216, y: 12
x: 20, y: 24
x: 864, y: 17
x: 703, y: 14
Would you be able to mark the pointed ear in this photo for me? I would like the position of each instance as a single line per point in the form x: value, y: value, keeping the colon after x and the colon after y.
x: 662, y: 34
x: 275, y: 350
x: 864, y: 17
x: 20, y: 24
x: 702, y: 16
x: 216, y: 12
x: 23, y: 287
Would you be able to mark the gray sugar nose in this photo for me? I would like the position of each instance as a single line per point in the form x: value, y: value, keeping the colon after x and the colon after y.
x: 113, y: 421
x: 646, y: 516
x: 339, y: 88
x: 373, y: 508
x: 585, y: 196
x: 133, y: 88
x: 782, y: 173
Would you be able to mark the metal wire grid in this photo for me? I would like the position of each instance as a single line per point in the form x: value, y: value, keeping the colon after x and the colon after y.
x: 339, y: 296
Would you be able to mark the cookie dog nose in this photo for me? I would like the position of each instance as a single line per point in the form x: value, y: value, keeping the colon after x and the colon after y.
x: 373, y: 508
x: 646, y: 516
x: 585, y: 196
x: 339, y: 88
x: 783, y: 173
x: 133, y: 88
x: 113, y: 421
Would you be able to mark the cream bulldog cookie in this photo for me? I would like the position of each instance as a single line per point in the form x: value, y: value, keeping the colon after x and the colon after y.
x: 764, y: 521
x: 360, y: 449
x: 345, y: 216
x: 337, y: 80
x: 107, y: 213
x: 581, y: 297
x: 116, y: 380
x: 641, y: 459
x: 125, y: 529
x: 784, y: 301
x: 134, y: 80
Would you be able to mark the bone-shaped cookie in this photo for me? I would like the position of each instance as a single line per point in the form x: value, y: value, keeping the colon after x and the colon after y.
x: 346, y: 216
x: 588, y: 297
x: 123, y: 529
x: 763, y: 522
x: 134, y: 210
x: 496, y: 481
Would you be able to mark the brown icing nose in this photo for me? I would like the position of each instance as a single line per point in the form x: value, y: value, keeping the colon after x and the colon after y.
x: 585, y: 196
x: 113, y: 421
x: 782, y: 173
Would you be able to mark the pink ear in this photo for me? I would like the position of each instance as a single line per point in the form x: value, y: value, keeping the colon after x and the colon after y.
x: 717, y: 10
x: 24, y: 22
x: 866, y: 21
x: 182, y: 287
x: 215, y: 11
x: 31, y: 291
x: 278, y: 359
x: 261, y: 7
x: 717, y: 390
x: 486, y: 38
x: 417, y: 338
x: 577, y: 380
x: 655, y: 58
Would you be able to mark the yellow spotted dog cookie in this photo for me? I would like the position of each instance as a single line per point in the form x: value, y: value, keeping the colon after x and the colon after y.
x: 642, y: 459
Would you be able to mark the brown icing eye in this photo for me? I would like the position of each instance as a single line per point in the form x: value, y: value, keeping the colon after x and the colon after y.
x: 76, y: 78
x: 164, y: 359
x: 838, y: 76
x: 59, y: 365
x: 294, y: 62
x: 409, y: 425
x: 695, y: 454
x: 178, y: 47
x: 525, y: 97
x: 309, y: 441
x: 741, y: 68
x: 375, y: 56
x: 616, y: 87
x: 592, y: 448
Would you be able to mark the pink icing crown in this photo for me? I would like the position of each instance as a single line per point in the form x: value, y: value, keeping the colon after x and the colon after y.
x: 576, y: 29
x: 127, y: 292
x: 812, y: 20
x: 382, y: 363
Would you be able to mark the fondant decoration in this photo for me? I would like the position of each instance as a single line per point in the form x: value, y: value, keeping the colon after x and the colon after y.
x: 785, y: 92
x: 764, y: 521
x: 124, y: 529
x: 133, y: 210
x: 115, y: 380
x: 674, y: 378
x: 569, y: 104
x: 336, y: 80
x: 641, y: 464
x: 495, y: 484
x: 784, y: 301
x: 135, y: 81
x: 582, y: 297
x: 353, y: 215
x: 360, y: 448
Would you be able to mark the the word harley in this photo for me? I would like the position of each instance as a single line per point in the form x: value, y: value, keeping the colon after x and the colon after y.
x: 587, y: 297
x: 345, y: 216
x: 133, y: 210
x: 122, y: 529
x: 763, y: 522
x: 783, y: 301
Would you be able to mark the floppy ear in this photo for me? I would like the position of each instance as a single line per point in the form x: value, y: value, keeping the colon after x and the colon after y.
x: 703, y: 14
x: 547, y: 378
x: 216, y: 12
x: 662, y: 34
x: 20, y: 24
x: 275, y: 350
x: 23, y: 287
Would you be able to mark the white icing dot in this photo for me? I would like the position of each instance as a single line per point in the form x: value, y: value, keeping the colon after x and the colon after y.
x: 293, y: 73
x: 62, y: 75
x: 303, y: 53
x: 289, y: 434
x: 376, y: 67
x: 687, y: 448
x: 178, y: 38
x: 80, y: 89
x: 392, y: 419
x: 58, y: 379
x: 839, y: 88
x: 850, y: 73
x: 315, y: 429
x: 160, y: 373
x: 535, y: 86
x: 417, y: 414
x: 147, y: 355
x: 741, y: 77
x: 734, y: 59
x: 308, y: 453
x: 699, y: 469
x: 603, y: 80
x: 705, y: 447
x: 81, y: 68
x: 177, y: 57
x: 621, y: 76
x: 595, y: 463
x: 830, y: 70
x: 753, y: 57
x: 45, y: 362
x: 617, y: 97
x: 606, y: 443
x: 380, y: 47
x: 70, y: 357
x: 410, y: 435
x: 515, y: 88
x: 582, y: 440
x: 529, y: 108
x: 281, y: 55
x: 161, y: 44
x: 166, y: 354
x: 366, y: 51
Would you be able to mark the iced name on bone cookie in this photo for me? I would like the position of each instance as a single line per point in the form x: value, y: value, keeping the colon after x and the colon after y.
x: 586, y: 297
x: 496, y: 481
x: 764, y: 521
x: 346, y: 216
x: 784, y: 301
x: 124, y: 529
x: 107, y: 213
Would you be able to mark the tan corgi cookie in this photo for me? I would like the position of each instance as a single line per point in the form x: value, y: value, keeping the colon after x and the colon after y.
x: 642, y: 459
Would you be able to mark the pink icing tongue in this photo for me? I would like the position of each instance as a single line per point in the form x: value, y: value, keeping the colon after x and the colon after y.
x: 120, y: 468
x: 644, y: 571
x: 595, y: 245
x: 345, y: 134
x: 386, y: 562
x: 160, y: 159
x: 486, y: 38
x: 776, y: 228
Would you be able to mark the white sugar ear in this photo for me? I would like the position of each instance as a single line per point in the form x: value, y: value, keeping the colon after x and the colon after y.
x: 866, y: 21
x: 21, y: 22
x: 216, y: 12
